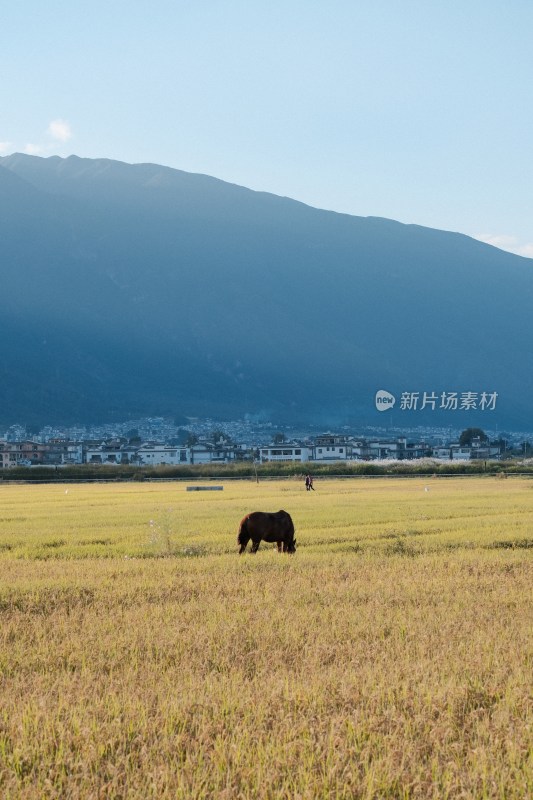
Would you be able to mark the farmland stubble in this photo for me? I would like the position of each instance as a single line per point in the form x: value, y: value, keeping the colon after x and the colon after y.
x: 390, y: 657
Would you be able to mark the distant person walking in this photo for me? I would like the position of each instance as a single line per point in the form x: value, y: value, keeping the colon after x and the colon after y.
x: 309, y: 483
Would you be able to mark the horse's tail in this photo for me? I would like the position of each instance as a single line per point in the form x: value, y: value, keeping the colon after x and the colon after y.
x: 243, y: 536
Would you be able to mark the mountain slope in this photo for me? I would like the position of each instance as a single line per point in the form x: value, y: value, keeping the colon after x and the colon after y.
x: 142, y: 289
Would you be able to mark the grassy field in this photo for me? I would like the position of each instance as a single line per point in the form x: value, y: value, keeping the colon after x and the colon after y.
x: 391, y: 657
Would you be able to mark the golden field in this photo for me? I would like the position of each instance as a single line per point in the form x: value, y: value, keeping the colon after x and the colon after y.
x: 390, y: 657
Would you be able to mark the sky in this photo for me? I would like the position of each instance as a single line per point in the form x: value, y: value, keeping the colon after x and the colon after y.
x: 414, y: 110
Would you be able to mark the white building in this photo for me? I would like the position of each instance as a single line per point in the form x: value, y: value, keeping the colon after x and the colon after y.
x: 207, y: 453
x: 111, y: 452
x: 474, y: 451
x: 284, y: 452
x: 332, y: 452
x: 163, y: 454
x: 64, y: 452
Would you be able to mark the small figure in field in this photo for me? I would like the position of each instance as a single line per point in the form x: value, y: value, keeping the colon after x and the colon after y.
x: 309, y: 483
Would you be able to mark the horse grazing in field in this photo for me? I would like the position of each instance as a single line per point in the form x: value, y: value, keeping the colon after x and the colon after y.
x: 260, y: 525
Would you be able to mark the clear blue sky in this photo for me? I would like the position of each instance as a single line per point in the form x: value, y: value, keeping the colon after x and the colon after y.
x: 416, y: 110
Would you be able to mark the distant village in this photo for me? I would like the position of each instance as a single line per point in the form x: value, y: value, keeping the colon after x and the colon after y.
x: 158, y: 442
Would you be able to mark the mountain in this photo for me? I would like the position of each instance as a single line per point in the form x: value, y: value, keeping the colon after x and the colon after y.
x: 139, y: 289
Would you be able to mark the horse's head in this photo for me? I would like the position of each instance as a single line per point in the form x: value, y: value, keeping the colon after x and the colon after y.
x: 291, y: 546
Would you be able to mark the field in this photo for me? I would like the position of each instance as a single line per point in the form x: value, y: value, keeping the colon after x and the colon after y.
x: 390, y: 657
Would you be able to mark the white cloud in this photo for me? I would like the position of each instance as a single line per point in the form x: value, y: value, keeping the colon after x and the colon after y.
x: 32, y: 149
x: 60, y: 130
x: 526, y: 250
x: 505, y: 242
x: 497, y: 240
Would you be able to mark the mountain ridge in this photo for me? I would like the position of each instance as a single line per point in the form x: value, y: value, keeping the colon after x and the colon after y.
x: 186, y: 294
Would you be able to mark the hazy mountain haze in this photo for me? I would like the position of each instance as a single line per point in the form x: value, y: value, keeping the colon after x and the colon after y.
x: 132, y: 289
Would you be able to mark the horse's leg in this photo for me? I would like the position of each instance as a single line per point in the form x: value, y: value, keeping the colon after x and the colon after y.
x: 243, y: 541
x: 255, y: 545
x: 279, y: 545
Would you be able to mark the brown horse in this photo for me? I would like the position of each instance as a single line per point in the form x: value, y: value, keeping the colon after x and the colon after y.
x: 260, y: 525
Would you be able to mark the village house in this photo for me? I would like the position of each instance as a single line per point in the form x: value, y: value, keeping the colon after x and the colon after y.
x: 20, y: 454
x: 63, y: 452
x: 219, y: 453
x: 477, y: 450
x: 330, y: 447
x: 441, y: 452
x: 284, y: 452
x: 390, y: 449
x: 113, y: 451
x: 157, y: 454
